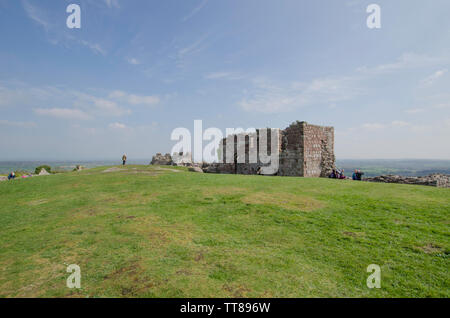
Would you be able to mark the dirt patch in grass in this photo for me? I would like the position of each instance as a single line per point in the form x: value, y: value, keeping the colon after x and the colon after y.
x: 284, y: 200
x: 37, y: 202
x: 113, y: 169
x: 431, y: 248
x: 167, y: 169
x: 198, y: 257
x: 159, y: 234
x: 236, y: 291
x: 131, y: 269
x: 224, y: 191
x: 353, y: 234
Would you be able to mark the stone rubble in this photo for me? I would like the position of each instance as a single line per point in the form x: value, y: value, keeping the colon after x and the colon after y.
x: 435, y: 180
x: 161, y: 160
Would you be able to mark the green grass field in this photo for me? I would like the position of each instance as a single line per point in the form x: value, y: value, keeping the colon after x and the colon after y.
x: 164, y: 232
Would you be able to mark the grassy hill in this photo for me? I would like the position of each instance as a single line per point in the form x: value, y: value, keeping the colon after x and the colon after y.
x: 165, y: 232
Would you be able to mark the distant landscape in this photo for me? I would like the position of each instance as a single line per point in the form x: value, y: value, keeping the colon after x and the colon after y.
x: 370, y: 167
x: 403, y: 167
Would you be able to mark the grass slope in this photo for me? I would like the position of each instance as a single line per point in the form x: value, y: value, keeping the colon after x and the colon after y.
x: 150, y: 232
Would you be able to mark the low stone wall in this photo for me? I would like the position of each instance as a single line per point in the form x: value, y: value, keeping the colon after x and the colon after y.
x: 161, y: 160
x: 434, y: 180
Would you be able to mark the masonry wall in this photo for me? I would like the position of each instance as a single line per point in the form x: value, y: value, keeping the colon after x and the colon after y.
x: 318, y: 150
x: 292, y: 151
x: 304, y: 150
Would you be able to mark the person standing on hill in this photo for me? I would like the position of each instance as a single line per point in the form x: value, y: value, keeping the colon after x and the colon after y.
x: 124, y: 159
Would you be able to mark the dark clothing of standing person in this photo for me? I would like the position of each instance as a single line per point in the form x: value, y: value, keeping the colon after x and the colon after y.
x: 124, y: 160
x: 359, y: 175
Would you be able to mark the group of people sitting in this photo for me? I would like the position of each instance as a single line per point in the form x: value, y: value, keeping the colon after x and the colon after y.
x: 339, y: 174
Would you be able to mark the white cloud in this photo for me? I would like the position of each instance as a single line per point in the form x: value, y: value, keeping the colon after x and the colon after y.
x: 195, y: 10
x: 399, y: 123
x: 414, y: 110
x: 134, y: 99
x: 95, y: 47
x: 64, y: 113
x: 98, y: 106
x: 224, y: 75
x: 433, y: 77
x: 406, y: 61
x: 117, y: 126
x: 133, y: 61
x: 269, y: 98
x: 193, y: 47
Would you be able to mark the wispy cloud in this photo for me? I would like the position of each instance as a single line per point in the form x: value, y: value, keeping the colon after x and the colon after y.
x: 133, y: 61
x: 224, y: 76
x: 267, y: 97
x: 36, y: 14
x: 195, y: 46
x: 134, y: 99
x: 406, y: 61
x: 433, y: 77
x: 80, y: 105
x: 414, y: 110
x: 56, y: 34
x: 195, y: 10
x: 64, y: 113
x: 117, y: 126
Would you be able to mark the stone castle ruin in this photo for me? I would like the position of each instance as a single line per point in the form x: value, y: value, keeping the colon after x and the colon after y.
x: 301, y: 150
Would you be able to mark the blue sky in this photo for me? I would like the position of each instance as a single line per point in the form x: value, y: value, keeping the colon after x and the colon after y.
x: 136, y: 70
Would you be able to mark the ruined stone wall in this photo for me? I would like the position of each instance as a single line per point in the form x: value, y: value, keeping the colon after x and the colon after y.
x: 318, y: 150
x: 292, y: 151
x: 304, y: 150
x: 246, y: 158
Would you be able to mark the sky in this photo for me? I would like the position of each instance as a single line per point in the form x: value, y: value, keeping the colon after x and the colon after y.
x: 136, y: 70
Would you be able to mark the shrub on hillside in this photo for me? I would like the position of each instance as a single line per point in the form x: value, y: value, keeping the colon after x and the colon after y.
x: 38, y: 169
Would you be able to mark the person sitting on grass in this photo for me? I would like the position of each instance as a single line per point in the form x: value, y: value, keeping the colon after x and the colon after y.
x: 333, y: 174
x: 355, y: 175
x: 342, y: 175
x: 12, y: 175
x: 359, y: 175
